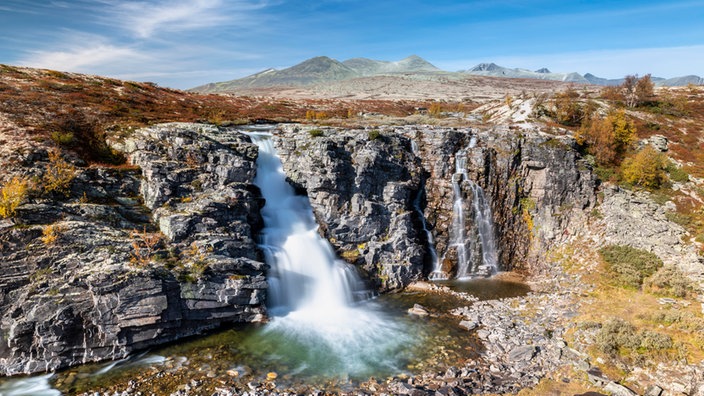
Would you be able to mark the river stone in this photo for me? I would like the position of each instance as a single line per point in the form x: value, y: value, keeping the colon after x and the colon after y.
x: 653, y: 390
x: 522, y: 353
x: 618, y: 390
x: 418, y: 310
x: 468, y: 325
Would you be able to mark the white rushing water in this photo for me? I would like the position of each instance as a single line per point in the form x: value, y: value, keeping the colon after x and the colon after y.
x: 436, y: 273
x: 314, y: 297
x: 31, y: 386
x: 484, y: 222
x: 467, y: 266
x: 458, y: 239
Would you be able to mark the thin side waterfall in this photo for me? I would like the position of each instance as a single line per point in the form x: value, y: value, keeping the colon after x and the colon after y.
x: 436, y: 273
x: 467, y: 266
x: 458, y: 239
x: 485, y: 227
x: 315, y: 298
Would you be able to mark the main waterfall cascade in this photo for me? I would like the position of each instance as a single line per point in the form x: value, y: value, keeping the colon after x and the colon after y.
x: 317, y: 301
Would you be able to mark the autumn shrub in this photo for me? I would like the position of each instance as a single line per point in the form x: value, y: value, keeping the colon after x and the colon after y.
x: 58, y: 174
x: 637, y: 91
x: 607, y: 138
x: 568, y: 110
x: 629, y: 266
x: 51, y: 233
x: 435, y: 109
x: 12, y: 194
x: 612, y: 92
x: 645, y: 169
x: 668, y: 281
x: 144, y: 246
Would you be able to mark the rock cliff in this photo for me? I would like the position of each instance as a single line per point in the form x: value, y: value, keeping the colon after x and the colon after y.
x: 537, y: 185
x: 101, y: 290
x: 165, y: 249
x: 361, y: 187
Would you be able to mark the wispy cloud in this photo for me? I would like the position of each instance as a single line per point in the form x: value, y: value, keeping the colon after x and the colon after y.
x: 147, y: 19
x: 86, y: 53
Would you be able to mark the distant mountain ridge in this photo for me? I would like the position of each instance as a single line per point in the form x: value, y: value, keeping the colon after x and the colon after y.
x: 323, y: 69
x: 494, y: 70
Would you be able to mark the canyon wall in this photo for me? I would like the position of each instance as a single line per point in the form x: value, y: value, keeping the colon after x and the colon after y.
x: 166, y: 249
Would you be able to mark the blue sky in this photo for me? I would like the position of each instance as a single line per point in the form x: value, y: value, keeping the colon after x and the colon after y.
x: 184, y: 43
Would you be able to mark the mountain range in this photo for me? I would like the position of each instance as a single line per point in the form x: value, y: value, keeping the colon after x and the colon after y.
x: 323, y: 69
x: 494, y: 70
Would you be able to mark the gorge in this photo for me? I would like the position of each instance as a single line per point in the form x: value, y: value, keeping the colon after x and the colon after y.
x: 249, y: 226
x: 202, y: 189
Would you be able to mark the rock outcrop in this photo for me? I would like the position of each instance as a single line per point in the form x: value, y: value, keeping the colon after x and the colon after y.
x: 538, y: 187
x: 634, y: 219
x: 361, y: 187
x: 101, y: 289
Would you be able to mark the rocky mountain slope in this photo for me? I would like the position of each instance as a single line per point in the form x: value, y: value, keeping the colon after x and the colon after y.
x: 494, y: 70
x: 321, y: 69
x: 326, y: 71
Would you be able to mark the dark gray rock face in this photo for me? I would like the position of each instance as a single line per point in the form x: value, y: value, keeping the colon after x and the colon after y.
x: 80, y: 299
x: 362, y: 190
x: 532, y: 180
x: 362, y: 193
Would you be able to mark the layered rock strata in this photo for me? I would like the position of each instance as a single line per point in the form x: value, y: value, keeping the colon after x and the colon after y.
x: 121, y: 275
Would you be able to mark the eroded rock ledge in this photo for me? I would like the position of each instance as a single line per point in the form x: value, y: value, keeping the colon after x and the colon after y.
x: 80, y: 299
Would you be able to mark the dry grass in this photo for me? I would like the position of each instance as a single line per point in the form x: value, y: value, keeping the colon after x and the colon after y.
x: 683, y: 322
x: 575, y: 383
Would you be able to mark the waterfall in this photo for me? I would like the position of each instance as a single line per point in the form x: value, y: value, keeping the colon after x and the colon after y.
x: 458, y: 239
x: 436, y: 273
x: 304, y: 274
x: 467, y: 266
x: 484, y: 222
x: 314, y: 297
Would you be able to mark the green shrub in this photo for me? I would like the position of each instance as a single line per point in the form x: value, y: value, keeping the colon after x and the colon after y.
x: 630, y: 266
x: 374, y: 134
x: 316, y: 132
x: 620, y: 338
x: 676, y: 173
x: 62, y: 138
x: 668, y: 281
